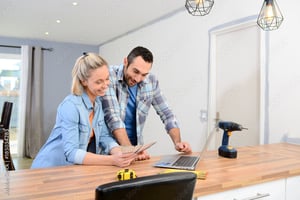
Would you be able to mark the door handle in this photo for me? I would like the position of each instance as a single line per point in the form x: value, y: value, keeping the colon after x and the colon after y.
x: 257, y: 196
x: 217, y: 119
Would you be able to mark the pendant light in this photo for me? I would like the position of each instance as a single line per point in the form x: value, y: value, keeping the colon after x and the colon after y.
x: 270, y: 17
x: 199, y: 7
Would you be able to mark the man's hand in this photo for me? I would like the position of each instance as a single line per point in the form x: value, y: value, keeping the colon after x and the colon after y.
x: 183, y: 147
x: 179, y: 146
x: 143, y: 155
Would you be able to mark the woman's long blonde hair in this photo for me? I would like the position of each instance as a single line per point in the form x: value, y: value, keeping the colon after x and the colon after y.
x: 82, y: 69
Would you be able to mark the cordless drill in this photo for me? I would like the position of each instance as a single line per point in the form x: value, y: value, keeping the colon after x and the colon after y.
x: 226, y: 150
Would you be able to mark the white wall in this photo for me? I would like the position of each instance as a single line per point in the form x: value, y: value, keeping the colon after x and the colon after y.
x: 285, y: 75
x: 180, y: 45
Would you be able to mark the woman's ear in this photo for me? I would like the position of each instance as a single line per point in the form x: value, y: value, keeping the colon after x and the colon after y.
x: 84, y: 83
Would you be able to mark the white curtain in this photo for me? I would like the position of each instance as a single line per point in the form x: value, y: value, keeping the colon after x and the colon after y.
x: 30, y: 115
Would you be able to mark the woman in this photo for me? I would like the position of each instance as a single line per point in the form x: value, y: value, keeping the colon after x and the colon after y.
x: 80, y: 135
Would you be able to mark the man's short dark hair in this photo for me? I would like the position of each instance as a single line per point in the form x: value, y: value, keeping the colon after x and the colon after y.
x: 140, y: 51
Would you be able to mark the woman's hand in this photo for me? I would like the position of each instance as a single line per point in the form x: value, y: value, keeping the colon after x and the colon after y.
x: 123, y: 160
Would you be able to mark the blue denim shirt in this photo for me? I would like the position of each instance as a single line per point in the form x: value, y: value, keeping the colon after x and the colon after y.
x: 148, y: 93
x: 68, y: 141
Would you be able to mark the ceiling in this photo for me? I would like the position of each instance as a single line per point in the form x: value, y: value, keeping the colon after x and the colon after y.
x: 92, y: 22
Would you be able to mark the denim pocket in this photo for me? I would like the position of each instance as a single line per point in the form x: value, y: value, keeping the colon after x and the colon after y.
x: 83, y: 134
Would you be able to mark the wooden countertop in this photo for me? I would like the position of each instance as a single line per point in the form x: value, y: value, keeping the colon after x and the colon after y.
x: 255, y: 164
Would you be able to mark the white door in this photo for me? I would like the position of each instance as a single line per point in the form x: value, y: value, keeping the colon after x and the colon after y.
x: 237, y: 82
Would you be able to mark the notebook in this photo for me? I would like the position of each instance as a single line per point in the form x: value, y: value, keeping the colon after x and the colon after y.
x: 181, y: 161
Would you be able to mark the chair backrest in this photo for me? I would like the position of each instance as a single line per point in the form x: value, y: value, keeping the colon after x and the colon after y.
x: 170, y: 186
x: 6, y: 114
x: 4, y: 132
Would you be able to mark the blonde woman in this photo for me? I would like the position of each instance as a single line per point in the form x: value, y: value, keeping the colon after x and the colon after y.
x: 80, y: 135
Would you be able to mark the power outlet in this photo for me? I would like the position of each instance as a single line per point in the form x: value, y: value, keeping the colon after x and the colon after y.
x: 203, y: 115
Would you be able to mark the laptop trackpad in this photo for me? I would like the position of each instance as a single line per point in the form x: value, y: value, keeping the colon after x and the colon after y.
x: 167, y: 160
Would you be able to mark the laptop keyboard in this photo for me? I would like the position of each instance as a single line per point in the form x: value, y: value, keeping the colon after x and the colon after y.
x: 185, y: 161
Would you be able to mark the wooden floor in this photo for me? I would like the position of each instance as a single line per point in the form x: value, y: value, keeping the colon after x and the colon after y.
x: 22, y: 163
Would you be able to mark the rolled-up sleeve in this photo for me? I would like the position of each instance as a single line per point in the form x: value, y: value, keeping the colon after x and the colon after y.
x: 162, y: 108
x: 79, y: 156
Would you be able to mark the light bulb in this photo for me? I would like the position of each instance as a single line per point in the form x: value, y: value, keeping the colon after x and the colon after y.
x: 269, y: 13
x: 198, y: 2
x: 199, y: 7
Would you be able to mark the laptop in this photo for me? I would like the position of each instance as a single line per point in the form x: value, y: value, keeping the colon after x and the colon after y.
x: 185, y: 162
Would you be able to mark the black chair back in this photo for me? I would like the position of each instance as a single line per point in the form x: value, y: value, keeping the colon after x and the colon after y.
x: 4, y: 135
x: 171, y: 186
x: 6, y: 114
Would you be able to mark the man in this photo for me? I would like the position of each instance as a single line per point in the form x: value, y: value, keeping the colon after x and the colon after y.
x: 131, y: 92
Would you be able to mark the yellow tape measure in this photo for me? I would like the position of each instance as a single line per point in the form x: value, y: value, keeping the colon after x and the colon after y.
x: 126, y: 174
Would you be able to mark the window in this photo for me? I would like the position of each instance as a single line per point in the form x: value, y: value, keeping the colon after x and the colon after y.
x: 10, y: 66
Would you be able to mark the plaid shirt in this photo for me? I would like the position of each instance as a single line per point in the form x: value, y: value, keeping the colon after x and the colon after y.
x: 115, y: 102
